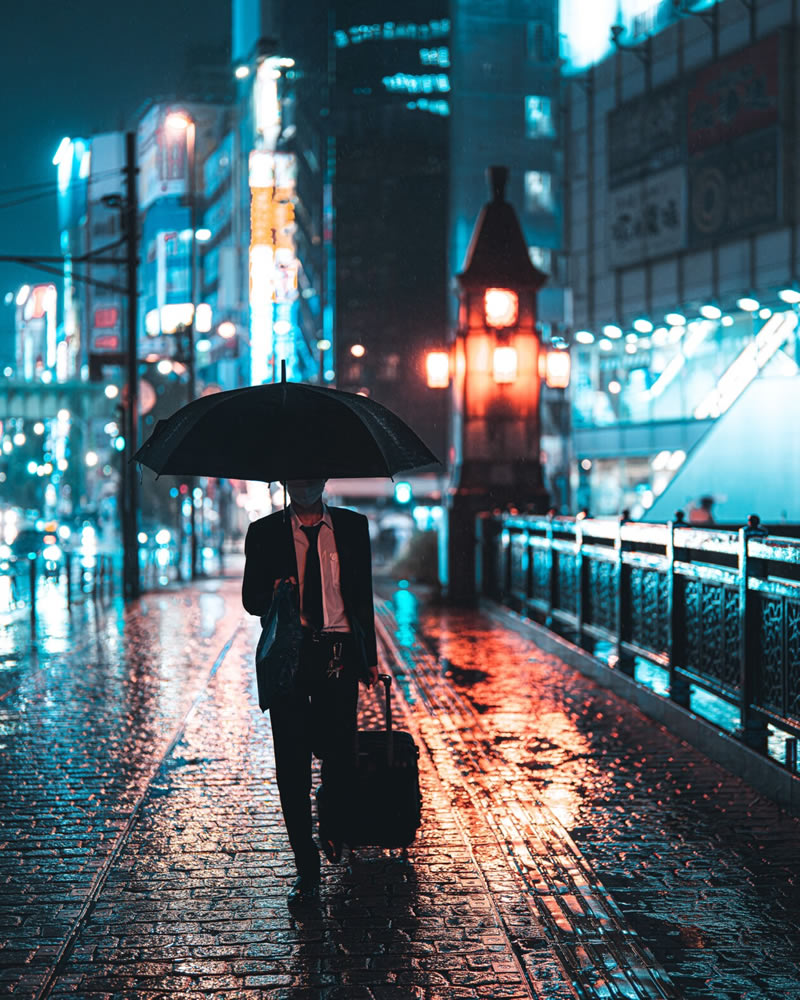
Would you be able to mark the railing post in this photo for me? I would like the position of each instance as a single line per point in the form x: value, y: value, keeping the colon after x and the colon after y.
x: 32, y: 584
x: 579, y: 582
x: 625, y: 663
x: 790, y: 751
x: 68, y: 571
x: 552, y: 589
x: 679, y: 689
x: 752, y: 730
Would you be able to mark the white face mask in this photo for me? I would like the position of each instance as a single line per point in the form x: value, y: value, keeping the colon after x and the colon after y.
x: 308, y: 495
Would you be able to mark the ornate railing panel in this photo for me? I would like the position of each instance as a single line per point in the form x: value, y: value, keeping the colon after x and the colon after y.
x: 719, y: 609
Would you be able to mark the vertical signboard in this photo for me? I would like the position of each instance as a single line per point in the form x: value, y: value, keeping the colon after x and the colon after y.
x: 733, y: 140
x: 647, y: 218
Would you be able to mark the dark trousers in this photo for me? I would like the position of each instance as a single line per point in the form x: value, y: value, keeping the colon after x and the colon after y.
x: 319, y: 718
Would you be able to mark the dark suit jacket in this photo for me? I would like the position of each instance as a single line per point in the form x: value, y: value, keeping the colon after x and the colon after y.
x: 270, y: 556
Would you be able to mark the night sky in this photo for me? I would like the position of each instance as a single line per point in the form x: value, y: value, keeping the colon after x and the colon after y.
x: 76, y: 68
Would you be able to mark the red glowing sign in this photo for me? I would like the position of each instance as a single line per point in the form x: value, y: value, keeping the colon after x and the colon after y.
x: 106, y: 317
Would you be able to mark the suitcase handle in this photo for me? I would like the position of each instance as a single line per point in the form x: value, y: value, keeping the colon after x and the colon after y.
x: 387, y: 685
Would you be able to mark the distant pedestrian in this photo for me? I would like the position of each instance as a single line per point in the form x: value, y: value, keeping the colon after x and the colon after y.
x: 754, y: 528
x: 327, y: 550
x: 702, y: 514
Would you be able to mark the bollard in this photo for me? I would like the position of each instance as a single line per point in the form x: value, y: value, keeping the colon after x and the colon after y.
x: 32, y: 580
x: 68, y: 569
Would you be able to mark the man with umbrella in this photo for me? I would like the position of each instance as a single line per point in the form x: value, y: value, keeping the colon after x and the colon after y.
x: 325, y: 553
x: 286, y: 431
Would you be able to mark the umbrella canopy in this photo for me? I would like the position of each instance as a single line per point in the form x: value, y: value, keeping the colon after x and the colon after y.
x: 280, y: 431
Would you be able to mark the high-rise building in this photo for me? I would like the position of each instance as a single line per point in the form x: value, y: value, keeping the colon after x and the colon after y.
x: 393, y: 114
x: 683, y: 254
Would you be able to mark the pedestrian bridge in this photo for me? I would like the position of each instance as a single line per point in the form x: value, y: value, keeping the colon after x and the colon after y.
x: 42, y: 401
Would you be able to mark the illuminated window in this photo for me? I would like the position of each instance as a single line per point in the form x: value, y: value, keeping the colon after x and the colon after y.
x: 542, y: 258
x: 538, y: 192
x: 538, y: 118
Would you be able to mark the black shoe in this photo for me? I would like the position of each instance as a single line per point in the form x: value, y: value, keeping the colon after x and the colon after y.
x: 331, y: 847
x: 304, y: 891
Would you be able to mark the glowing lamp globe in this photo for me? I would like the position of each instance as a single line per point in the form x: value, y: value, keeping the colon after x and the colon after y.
x: 500, y: 307
x: 504, y: 365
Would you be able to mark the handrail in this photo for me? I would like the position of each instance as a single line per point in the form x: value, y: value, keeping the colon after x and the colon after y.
x: 718, y: 609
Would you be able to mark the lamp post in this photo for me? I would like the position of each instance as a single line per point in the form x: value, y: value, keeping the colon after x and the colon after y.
x: 494, y: 458
x: 182, y: 122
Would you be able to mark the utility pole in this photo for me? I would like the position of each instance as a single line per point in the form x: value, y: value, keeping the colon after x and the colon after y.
x: 191, y: 147
x: 130, y: 502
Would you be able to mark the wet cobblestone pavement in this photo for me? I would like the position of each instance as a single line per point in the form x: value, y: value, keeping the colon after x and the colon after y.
x: 569, y: 846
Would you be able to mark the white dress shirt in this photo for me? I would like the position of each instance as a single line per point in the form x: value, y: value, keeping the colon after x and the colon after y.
x: 333, y: 613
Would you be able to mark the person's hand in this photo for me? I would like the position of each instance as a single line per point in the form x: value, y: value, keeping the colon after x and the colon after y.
x: 372, y: 676
x: 290, y: 579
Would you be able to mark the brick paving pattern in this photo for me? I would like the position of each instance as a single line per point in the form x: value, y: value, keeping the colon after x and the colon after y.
x: 569, y: 848
x: 703, y: 871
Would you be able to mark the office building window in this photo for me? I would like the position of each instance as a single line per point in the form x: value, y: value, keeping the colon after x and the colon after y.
x: 538, y: 118
x: 542, y: 258
x: 538, y: 192
x: 539, y: 37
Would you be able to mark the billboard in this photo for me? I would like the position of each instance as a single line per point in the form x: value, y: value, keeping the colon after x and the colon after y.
x: 699, y: 160
x: 162, y: 154
x: 647, y: 134
x: 736, y: 95
x: 734, y: 188
x: 647, y: 218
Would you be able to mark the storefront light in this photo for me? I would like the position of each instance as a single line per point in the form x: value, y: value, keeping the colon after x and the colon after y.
x: 676, y: 460
x: 748, y: 304
x: 227, y: 329
x: 584, y: 337
x: 764, y: 313
x: 614, y: 388
x: 727, y: 321
x: 709, y: 311
x: 631, y: 348
x: 790, y: 295
x: 612, y: 331
x: 642, y: 325
x: 242, y: 72
x: 675, y: 319
x: 605, y: 345
x: 437, y: 369
x: 660, y: 335
x: 631, y: 338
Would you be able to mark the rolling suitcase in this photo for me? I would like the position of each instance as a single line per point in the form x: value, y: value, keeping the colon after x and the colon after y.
x: 386, y: 800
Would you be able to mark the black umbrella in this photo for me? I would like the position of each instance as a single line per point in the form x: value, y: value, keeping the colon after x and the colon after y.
x: 280, y: 431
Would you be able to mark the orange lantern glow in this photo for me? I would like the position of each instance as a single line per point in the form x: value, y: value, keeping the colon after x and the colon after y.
x: 437, y: 369
x: 557, y: 369
x: 504, y: 365
x: 500, y: 307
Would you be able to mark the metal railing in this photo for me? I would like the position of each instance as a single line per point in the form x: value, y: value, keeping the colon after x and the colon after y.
x: 717, y: 610
x: 77, y: 577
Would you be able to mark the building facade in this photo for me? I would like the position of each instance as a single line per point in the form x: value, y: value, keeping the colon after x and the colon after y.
x: 683, y: 246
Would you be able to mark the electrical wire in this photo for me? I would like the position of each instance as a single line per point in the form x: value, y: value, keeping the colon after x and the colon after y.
x: 51, y: 188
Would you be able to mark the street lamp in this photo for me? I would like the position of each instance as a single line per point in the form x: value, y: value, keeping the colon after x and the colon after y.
x: 182, y: 122
x: 495, y: 388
